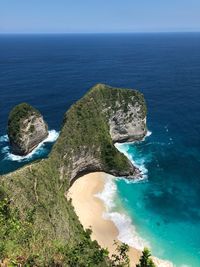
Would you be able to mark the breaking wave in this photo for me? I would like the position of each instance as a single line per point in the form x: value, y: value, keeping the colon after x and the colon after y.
x: 138, y: 162
x: 127, y: 231
x: 39, y: 150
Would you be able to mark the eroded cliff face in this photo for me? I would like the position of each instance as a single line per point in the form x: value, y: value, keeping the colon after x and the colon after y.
x: 26, y: 129
x: 104, y: 116
x: 34, y: 196
x: 86, y: 162
x: 127, y: 126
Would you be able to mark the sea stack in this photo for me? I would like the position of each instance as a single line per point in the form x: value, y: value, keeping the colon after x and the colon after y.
x: 26, y: 129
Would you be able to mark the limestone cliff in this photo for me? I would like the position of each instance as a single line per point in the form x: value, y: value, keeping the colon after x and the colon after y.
x: 102, y: 117
x: 38, y: 226
x: 129, y: 125
x: 26, y: 129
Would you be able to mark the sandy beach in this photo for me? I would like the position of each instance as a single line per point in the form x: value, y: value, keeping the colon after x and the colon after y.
x: 90, y: 210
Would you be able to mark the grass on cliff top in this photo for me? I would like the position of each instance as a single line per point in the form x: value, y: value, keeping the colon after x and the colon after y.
x: 113, y: 95
x: 17, y: 114
x: 86, y: 125
x: 38, y: 225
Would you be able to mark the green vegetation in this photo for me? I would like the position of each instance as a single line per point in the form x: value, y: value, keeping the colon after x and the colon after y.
x: 121, y: 258
x: 145, y: 260
x: 38, y: 225
x: 17, y: 114
x: 87, y: 123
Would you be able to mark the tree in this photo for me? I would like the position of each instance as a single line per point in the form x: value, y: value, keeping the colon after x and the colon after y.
x: 120, y: 259
x: 145, y: 260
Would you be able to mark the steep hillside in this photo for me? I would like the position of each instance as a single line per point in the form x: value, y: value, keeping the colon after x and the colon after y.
x: 103, y: 116
x: 38, y: 226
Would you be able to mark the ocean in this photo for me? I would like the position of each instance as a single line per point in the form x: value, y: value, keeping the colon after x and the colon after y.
x: 51, y: 72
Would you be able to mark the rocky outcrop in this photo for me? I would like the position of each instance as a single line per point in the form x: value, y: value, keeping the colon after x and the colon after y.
x: 104, y: 116
x: 128, y: 126
x: 26, y: 129
x: 85, y: 162
x: 35, y: 194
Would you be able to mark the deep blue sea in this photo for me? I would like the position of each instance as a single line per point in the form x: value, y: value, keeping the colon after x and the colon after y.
x: 53, y: 71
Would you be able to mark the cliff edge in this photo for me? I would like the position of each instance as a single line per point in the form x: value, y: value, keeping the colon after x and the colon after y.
x: 105, y: 115
x: 38, y: 225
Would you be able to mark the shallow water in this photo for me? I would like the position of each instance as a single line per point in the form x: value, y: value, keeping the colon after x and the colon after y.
x: 164, y: 207
x: 52, y: 72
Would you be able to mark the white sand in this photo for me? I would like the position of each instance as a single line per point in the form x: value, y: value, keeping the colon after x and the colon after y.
x: 90, y: 211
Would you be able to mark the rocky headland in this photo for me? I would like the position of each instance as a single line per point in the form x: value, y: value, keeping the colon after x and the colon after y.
x: 105, y: 115
x: 38, y: 224
x: 26, y: 129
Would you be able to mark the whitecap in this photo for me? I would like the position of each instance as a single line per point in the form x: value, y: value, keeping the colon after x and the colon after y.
x: 108, y: 193
x: 127, y: 231
x: 52, y: 137
x: 166, y: 128
x: 40, y: 149
x: 4, y: 138
x: 139, y: 163
x: 149, y: 133
x: 5, y: 149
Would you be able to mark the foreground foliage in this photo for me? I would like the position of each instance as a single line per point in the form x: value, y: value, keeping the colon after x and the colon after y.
x: 16, y: 233
x: 120, y: 258
x: 38, y: 225
x: 145, y: 260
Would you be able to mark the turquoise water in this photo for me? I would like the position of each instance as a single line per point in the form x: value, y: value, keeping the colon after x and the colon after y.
x: 164, y: 207
x: 51, y: 72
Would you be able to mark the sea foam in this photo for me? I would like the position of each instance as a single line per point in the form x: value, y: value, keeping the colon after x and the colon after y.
x: 137, y: 162
x: 127, y: 231
x: 4, y: 138
x: 40, y: 149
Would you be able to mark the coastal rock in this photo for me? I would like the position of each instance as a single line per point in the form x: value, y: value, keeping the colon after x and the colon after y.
x: 26, y: 129
x: 35, y: 194
x: 128, y: 126
x: 85, y: 162
x: 104, y: 116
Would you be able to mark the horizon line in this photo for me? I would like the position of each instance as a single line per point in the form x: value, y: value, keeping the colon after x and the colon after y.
x: 85, y: 33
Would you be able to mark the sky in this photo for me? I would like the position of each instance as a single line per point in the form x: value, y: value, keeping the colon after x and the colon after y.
x: 99, y: 16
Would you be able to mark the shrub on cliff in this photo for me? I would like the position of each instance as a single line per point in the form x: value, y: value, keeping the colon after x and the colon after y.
x: 120, y: 258
x: 17, y: 114
x: 43, y: 228
x: 145, y: 260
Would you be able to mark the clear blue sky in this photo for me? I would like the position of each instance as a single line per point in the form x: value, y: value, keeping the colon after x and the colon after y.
x: 62, y: 16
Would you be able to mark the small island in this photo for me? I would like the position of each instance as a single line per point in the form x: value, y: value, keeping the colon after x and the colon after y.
x: 26, y: 129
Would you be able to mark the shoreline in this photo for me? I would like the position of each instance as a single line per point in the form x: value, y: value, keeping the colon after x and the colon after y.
x: 51, y: 138
x: 90, y: 208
